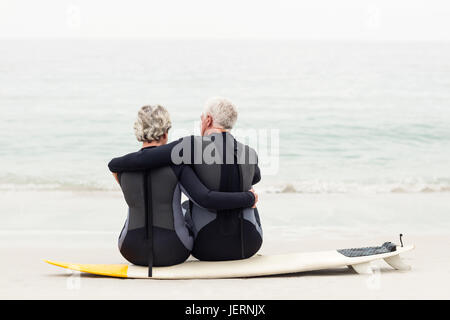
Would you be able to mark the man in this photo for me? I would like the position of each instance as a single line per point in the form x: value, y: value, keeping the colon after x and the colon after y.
x: 222, y: 164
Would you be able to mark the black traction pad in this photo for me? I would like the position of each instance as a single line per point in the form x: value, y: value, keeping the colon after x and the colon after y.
x: 369, y: 251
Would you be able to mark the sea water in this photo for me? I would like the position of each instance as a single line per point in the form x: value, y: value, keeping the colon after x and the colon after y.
x: 349, y: 116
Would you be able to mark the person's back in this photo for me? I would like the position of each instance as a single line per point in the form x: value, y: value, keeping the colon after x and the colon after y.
x: 153, y: 195
x: 225, y: 234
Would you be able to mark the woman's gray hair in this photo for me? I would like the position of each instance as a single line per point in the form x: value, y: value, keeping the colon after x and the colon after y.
x: 223, y: 112
x: 152, y: 123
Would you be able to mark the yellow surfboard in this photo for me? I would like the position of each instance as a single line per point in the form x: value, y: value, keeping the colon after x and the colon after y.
x: 259, y: 265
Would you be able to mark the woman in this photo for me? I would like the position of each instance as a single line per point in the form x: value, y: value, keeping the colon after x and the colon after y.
x: 156, y: 232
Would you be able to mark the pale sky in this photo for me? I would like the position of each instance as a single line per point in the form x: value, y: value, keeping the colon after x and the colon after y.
x: 268, y: 19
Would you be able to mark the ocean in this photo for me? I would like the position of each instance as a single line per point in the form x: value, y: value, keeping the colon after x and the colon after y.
x: 366, y: 117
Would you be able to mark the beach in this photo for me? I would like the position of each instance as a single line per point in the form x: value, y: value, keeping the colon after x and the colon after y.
x: 83, y: 227
x: 353, y: 142
x: 346, y: 104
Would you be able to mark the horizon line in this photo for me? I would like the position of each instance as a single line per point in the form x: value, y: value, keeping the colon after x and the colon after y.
x: 250, y: 38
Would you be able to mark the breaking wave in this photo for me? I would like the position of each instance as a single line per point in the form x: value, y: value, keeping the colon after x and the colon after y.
x: 20, y: 183
x: 320, y: 187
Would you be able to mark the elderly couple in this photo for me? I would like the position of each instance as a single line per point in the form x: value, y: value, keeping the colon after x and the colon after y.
x: 216, y: 173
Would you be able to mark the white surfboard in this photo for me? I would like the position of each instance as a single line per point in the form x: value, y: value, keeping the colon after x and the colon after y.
x: 259, y: 265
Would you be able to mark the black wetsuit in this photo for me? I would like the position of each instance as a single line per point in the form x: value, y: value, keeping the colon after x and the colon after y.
x: 156, y: 193
x: 222, y: 234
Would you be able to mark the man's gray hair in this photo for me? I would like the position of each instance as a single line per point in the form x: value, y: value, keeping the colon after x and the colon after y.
x: 223, y: 112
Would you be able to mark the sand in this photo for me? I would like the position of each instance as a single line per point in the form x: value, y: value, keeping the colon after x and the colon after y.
x: 83, y: 227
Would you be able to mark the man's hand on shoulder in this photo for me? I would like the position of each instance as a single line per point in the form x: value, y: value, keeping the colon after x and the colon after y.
x: 116, y: 176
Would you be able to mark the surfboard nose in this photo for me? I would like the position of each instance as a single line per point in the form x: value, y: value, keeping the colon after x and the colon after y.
x: 111, y: 270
